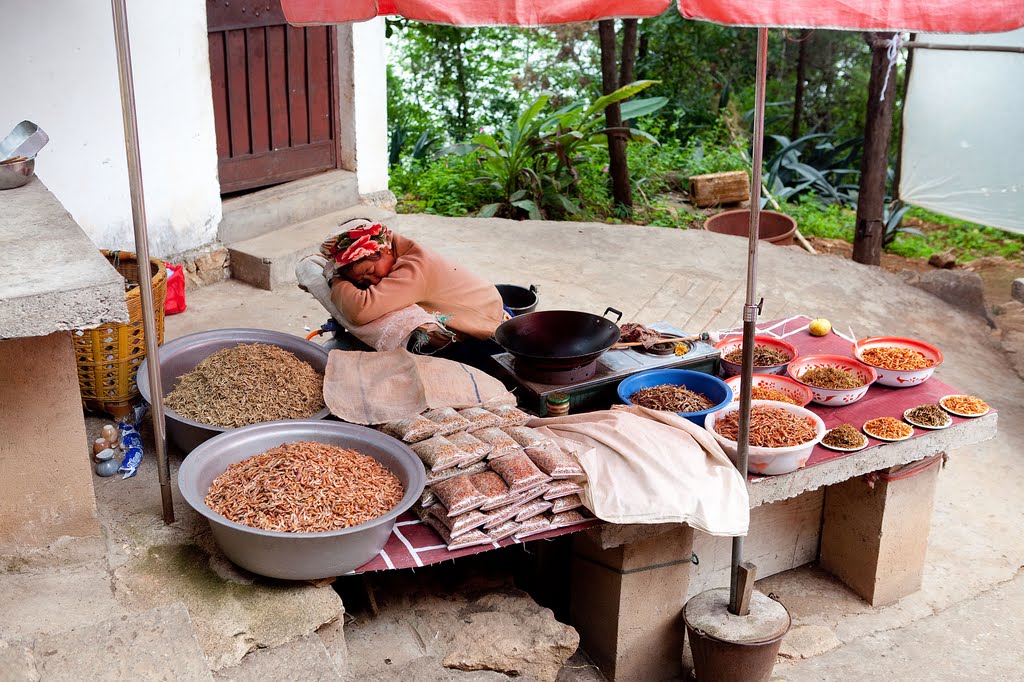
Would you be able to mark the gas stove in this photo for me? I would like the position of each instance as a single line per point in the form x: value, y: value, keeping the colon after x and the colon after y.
x: 597, y: 391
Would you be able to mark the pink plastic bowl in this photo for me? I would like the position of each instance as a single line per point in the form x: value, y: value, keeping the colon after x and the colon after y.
x: 794, y: 389
x: 731, y: 343
x: 895, y: 377
x: 834, y: 397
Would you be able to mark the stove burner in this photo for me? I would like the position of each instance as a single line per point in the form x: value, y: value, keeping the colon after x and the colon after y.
x: 555, y: 377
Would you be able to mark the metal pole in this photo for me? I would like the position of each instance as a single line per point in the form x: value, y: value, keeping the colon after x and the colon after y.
x: 751, y: 308
x: 131, y: 143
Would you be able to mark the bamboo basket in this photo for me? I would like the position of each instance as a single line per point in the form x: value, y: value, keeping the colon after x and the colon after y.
x: 109, y: 356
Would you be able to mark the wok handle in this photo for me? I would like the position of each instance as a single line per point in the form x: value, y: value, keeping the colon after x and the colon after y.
x: 613, y: 310
x: 533, y: 289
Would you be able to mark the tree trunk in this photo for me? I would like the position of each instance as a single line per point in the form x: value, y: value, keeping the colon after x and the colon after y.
x: 618, y: 169
x: 801, y: 84
x: 870, y: 227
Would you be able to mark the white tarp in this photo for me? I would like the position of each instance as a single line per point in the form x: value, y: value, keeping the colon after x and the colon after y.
x: 963, y: 131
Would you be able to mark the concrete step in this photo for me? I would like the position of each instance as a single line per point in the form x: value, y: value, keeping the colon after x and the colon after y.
x: 258, y: 213
x: 158, y: 644
x: 268, y: 261
x: 305, y: 658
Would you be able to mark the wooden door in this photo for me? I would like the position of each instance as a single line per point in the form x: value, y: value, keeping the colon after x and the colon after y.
x: 273, y: 95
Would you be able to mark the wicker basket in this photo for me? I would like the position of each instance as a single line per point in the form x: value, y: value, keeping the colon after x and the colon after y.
x: 109, y: 356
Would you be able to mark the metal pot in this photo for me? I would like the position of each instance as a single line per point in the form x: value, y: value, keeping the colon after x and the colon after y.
x: 180, y: 356
x: 554, y: 340
x: 519, y: 300
x: 299, y: 556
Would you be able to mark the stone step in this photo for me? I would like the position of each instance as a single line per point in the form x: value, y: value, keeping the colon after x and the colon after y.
x: 158, y: 644
x: 305, y: 658
x: 258, y: 213
x: 268, y: 261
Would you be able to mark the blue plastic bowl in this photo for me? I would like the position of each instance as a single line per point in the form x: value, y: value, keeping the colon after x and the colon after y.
x: 714, y: 388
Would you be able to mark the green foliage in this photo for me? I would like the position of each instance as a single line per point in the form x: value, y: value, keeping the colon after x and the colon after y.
x: 439, y: 186
x: 816, y: 219
x: 533, y: 165
x: 938, y: 233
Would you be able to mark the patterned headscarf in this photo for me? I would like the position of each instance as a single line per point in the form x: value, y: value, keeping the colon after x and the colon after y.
x: 362, y: 238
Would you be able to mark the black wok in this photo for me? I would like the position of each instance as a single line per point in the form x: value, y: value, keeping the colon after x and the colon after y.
x: 558, y: 339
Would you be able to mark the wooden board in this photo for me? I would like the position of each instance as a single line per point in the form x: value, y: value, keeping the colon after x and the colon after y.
x: 716, y: 189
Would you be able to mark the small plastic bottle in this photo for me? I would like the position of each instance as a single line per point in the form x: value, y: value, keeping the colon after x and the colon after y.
x: 558, y: 404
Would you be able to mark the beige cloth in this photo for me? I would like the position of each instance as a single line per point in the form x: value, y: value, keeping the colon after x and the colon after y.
x: 388, y: 332
x: 647, y: 466
x: 373, y: 388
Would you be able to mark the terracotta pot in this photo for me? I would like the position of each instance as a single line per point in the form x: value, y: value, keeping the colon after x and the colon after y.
x: 776, y: 228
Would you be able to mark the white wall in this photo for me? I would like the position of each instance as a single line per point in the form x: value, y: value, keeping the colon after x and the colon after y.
x: 369, y: 109
x: 60, y: 71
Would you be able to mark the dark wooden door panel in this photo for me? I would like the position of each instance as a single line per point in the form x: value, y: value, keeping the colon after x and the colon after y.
x: 273, y: 95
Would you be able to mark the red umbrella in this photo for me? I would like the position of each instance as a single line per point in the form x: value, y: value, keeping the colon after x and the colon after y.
x: 935, y: 16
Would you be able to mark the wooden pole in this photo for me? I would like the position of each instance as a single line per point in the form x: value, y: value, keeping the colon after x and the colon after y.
x: 870, y: 226
x: 618, y: 169
x: 801, y: 84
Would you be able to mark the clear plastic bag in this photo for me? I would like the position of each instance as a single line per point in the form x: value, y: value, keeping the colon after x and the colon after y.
x: 501, y: 443
x: 467, y: 442
x: 479, y: 418
x: 469, y: 539
x: 448, y: 420
x: 526, y: 436
x: 438, y: 453
x: 561, y: 489
x: 458, y: 495
x: 536, y: 525
x: 567, y: 518
x: 564, y: 504
x: 510, y: 415
x: 503, y: 531
x: 494, y: 488
x: 519, y: 472
x: 438, y: 476
x: 528, y: 511
x: 458, y: 525
x: 557, y: 464
x: 411, y: 430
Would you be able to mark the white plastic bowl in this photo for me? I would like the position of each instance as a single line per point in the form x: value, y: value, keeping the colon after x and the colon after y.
x: 895, y: 377
x: 770, y: 461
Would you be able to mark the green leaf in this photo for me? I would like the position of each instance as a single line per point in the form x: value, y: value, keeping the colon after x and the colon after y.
x: 530, y: 207
x: 625, y: 92
x: 490, y: 210
x: 641, y: 107
x: 516, y: 196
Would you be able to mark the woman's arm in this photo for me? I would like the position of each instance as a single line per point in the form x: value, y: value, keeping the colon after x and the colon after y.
x: 403, y: 286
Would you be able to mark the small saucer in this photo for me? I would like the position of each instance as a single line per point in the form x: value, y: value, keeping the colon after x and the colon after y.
x: 949, y: 422
x: 838, y: 449
x: 887, y: 440
x: 961, y: 414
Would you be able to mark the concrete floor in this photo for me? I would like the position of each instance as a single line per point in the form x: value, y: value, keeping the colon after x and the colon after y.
x: 967, y: 616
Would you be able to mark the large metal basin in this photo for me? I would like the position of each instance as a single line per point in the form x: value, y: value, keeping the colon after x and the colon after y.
x: 180, y: 356
x: 298, y: 556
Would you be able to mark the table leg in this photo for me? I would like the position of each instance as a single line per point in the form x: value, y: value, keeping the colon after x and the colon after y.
x: 627, y: 603
x: 875, y: 532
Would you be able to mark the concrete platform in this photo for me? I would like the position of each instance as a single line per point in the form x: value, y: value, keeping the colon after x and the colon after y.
x: 52, y: 277
x: 696, y: 280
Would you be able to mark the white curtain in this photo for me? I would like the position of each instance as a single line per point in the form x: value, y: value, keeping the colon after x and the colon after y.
x: 963, y: 131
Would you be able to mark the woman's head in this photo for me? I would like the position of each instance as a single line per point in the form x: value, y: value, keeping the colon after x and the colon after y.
x: 362, y: 251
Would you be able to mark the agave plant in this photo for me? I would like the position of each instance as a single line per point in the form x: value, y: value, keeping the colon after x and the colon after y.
x: 532, y: 164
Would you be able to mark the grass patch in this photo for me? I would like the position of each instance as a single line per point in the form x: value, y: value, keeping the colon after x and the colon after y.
x: 966, y: 240
x: 815, y: 219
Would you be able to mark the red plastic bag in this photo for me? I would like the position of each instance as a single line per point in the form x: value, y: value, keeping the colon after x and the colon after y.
x: 175, y: 301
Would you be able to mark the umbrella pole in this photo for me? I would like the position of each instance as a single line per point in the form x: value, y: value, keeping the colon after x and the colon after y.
x: 131, y: 143
x: 751, y: 309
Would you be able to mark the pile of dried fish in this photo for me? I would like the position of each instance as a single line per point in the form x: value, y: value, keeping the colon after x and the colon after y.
x: 305, y: 487
x: 248, y: 384
x: 671, y: 398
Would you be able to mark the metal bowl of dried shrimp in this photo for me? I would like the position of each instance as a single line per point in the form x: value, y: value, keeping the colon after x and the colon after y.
x: 262, y: 386
x: 333, y: 489
x: 690, y: 394
x: 782, y: 435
